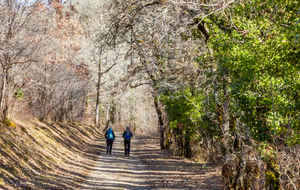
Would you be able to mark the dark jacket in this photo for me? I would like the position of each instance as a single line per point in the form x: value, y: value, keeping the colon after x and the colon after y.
x: 129, y: 132
x: 106, y: 134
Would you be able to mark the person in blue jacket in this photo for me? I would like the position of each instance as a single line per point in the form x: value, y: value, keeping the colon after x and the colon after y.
x: 127, y: 135
x: 110, y: 137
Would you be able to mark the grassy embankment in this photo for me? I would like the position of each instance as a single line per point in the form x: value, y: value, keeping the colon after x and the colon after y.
x: 40, y: 155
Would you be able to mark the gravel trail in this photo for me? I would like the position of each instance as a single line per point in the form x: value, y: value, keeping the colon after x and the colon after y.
x: 117, y: 171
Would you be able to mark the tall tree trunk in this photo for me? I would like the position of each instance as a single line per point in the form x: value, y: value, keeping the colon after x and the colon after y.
x: 204, y: 30
x: 226, y: 116
x: 212, y: 150
x: 4, y: 98
x: 187, y: 145
x: 107, y: 116
x: 180, y: 141
x: 85, y: 104
x: 97, y: 123
x: 44, y: 97
x: 225, y: 121
x: 71, y: 107
x: 160, y: 123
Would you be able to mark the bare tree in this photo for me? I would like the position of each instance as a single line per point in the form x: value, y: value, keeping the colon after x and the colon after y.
x: 55, y: 83
x: 21, y: 32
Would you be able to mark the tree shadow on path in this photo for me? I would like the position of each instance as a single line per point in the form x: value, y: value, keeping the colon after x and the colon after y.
x: 148, y: 167
x: 167, y: 171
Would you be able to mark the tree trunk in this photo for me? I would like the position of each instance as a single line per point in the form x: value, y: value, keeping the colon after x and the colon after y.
x: 107, y: 117
x: 44, y: 96
x: 71, y: 107
x: 86, y: 102
x: 180, y: 142
x: 97, y: 123
x: 187, y: 146
x: 160, y: 123
x: 212, y: 150
x: 4, y: 98
x: 225, y: 117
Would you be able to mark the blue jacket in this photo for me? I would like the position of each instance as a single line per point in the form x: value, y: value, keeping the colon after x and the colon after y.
x: 127, y: 131
x: 109, y: 131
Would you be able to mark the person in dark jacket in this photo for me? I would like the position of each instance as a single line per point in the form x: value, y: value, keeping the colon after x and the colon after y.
x: 127, y: 135
x: 110, y: 137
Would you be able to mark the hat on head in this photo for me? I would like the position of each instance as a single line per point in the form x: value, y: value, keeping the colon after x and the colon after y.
x: 127, y: 127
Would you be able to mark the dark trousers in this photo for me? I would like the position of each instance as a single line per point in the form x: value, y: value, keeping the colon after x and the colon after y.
x: 109, y: 143
x: 127, y: 147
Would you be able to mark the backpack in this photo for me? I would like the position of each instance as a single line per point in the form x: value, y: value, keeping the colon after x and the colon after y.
x: 110, y: 134
x: 127, y: 135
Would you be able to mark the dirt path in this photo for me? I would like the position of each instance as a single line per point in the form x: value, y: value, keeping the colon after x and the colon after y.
x: 117, y: 171
x: 148, y: 167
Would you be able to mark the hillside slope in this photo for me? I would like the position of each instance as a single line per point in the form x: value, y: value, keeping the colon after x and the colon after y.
x: 37, y: 155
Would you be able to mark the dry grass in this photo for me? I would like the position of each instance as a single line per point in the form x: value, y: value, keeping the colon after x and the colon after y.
x: 40, y: 155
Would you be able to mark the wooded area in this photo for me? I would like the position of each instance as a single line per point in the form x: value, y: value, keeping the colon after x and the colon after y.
x: 217, y: 79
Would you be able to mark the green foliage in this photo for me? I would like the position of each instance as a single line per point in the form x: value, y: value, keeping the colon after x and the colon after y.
x: 256, y: 58
x: 257, y: 45
x: 19, y: 94
x: 183, y: 110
